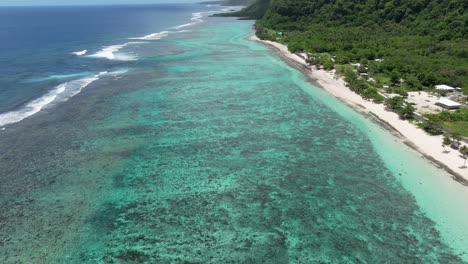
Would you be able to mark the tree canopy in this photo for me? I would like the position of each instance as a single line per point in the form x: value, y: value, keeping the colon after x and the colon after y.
x: 423, y: 42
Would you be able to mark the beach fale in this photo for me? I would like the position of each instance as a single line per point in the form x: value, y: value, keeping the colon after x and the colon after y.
x: 448, y: 104
x: 444, y: 87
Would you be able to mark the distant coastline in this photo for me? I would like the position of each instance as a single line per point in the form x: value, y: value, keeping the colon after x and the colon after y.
x: 429, y: 146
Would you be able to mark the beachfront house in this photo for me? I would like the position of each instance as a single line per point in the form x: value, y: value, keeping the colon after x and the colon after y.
x: 444, y: 87
x: 447, y: 104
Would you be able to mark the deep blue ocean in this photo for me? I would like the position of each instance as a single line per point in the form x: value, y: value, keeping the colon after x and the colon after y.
x: 48, y: 54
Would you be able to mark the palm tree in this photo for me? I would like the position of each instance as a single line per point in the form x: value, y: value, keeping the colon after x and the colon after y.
x: 464, y: 151
x: 455, y: 136
x: 446, y: 142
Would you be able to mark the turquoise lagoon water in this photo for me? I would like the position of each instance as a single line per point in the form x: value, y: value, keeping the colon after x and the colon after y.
x: 216, y: 151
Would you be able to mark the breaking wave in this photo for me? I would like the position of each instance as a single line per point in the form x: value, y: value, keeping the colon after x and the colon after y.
x: 59, y: 93
x: 111, y: 52
x: 196, y: 18
x: 80, y: 53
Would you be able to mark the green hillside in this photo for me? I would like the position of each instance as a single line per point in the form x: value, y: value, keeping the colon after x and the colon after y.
x: 445, y: 18
x: 424, y: 42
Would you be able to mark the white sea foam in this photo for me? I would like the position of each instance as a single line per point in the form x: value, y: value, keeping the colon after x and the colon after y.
x: 60, y: 93
x: 196, y: 18
x: 80, y: 53
x: 184, y: 25
x: 117, y: 72
x: 57, y: 77
x: 111, y: 52
x: 232, y: 8
x: 154, y: 36
x: 157, y: 36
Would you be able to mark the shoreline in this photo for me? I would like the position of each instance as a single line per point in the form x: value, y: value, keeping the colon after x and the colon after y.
x: 427, y: 145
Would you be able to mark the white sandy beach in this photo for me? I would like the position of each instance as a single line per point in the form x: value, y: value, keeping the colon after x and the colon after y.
x: 428, y: 145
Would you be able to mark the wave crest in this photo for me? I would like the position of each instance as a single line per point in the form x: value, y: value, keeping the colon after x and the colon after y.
x: 111, y: 53
x: 80, y: 53
x: 60, y: 93
x: 196, y: 18
x: 154, y: 36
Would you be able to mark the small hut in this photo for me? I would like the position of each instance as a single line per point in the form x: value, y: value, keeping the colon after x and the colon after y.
x: 447, y: 104
x: 444, y: 87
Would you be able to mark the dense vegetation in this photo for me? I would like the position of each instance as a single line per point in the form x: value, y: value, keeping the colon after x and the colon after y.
x: 455, y: 121
x: 423, y: 42
x: 403, y: 45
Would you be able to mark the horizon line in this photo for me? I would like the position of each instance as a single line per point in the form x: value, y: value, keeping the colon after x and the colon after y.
x: 113, y: 4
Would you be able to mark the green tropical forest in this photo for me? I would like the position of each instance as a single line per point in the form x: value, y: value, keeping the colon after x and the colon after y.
x: 403, y: 45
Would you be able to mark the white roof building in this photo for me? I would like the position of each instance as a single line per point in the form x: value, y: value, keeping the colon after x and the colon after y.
x: 444, y: 87
x: 446, y: 103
